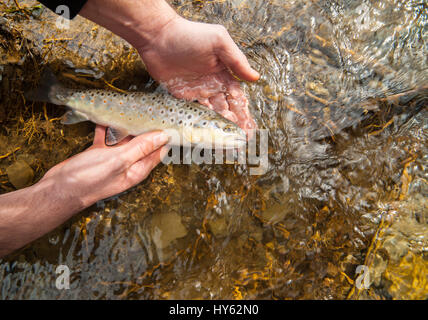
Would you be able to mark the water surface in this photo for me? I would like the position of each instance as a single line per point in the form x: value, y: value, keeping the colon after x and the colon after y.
x: 343, y: 94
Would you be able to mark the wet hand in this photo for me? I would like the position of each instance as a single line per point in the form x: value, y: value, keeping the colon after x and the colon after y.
x: 101, y: 172
x: 195, y: 60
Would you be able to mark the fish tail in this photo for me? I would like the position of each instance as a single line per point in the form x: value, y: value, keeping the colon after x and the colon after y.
x: 48, y: 90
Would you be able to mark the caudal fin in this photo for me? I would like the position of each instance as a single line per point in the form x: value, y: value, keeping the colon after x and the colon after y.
x: 48, y: 89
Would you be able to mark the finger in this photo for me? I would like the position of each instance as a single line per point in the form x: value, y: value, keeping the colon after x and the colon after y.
x: 142, y: 168
x: 235, y: 60
x: 219, y: 102
x: 100, y: 136
x: 206, y: 102
x: 143, y: 145
x: 220, y: 105
x: 230, y: 116
x: 239, y: 106
x: 234, y: 89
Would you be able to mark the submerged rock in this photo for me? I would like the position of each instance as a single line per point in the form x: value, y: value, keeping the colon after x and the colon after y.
x: 275, y: 213
x: 20, y: 174
x: 218, y: 227
x: 165, y: 228
x: 30, y: 159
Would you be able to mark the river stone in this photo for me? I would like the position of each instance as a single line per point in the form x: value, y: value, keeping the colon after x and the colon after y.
x: 218, y: 227
x: 165, y: 228
x: 275, y: 213
x: 30, y: 159
x: 20, y: 174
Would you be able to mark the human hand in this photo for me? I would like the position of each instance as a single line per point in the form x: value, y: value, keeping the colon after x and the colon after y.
x: 194, y: 61
x: 101, y: 172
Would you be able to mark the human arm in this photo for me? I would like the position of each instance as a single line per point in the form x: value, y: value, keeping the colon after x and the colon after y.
x: 194, y: 60
x: 75, y: 184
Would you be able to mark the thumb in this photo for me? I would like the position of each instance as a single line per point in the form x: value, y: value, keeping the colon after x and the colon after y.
x: 235, y: 60
x: 143, y: 145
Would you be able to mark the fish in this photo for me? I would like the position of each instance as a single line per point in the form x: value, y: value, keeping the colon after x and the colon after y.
x: 135, y: 113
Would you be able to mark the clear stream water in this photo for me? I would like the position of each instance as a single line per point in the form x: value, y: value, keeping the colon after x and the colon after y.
x: 343, y: 94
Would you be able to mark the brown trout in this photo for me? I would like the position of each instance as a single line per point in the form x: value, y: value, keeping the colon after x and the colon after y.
x: 136, y: 113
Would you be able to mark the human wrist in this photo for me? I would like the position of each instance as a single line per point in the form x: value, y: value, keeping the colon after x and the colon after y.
x: 60, y: 194
x: 138, y: 22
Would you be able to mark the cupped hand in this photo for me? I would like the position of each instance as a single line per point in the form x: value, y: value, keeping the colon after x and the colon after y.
x: 195, y: 60
x: 101, y: 172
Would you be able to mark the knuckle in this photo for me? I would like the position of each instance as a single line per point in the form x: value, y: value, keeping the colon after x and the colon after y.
x: 222, y: 28
x: 120, y: 161
x: 221, y: 31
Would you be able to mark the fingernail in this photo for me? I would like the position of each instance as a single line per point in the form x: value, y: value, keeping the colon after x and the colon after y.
x: 256, y: 74
x: 160, y: 139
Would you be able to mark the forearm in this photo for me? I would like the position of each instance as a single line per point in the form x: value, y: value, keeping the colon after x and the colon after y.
x: 137, y: 21
x: 27, y: 214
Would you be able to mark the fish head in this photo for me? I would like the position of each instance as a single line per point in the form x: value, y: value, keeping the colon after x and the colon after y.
x: 218, y: 133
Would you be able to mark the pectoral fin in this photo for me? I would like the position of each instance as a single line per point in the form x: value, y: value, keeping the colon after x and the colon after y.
x: 114, y: 136
x: 72, y: 117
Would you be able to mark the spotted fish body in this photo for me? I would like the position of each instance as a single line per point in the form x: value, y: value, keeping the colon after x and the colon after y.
x: 137, y: 113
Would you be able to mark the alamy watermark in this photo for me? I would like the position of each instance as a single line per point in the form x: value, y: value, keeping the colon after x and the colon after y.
x: 63, y: 279
x: 63, y: 21
x: 220, y: 150
x: 363, y: 280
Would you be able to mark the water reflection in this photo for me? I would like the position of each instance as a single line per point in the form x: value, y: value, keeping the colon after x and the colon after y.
x: 343, y: 94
